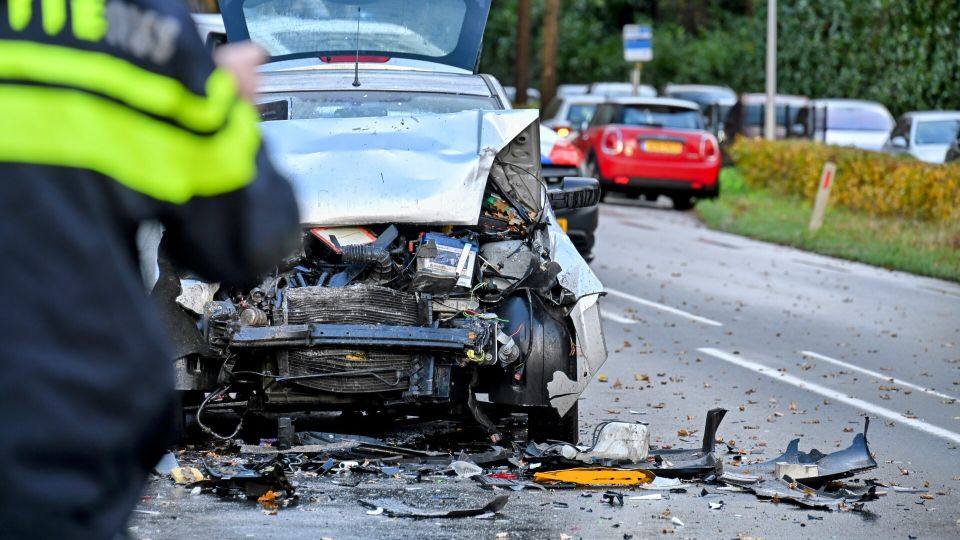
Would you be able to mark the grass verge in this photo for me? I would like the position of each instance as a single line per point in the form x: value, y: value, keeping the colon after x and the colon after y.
x: 918, y: 247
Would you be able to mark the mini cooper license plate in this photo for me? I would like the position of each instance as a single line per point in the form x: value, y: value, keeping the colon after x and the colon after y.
x: 663, y: 147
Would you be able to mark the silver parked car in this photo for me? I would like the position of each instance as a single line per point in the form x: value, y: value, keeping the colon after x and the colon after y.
x: 925, y: 135
x: 432, y: 277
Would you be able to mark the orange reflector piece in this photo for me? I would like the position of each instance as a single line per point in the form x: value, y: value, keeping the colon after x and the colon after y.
x: 586, y: 476
x: 621, y: 180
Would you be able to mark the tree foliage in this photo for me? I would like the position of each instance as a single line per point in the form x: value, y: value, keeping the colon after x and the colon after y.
x: 903, y: 54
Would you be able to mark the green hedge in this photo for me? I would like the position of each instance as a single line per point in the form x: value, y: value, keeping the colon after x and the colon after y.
x: 874, y: 183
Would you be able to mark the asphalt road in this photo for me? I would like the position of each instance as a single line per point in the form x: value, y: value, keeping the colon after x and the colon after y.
x: 793, y: 344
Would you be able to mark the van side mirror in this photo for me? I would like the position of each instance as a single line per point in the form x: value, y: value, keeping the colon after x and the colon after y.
x: 575, y: 192
x: 898, y: 142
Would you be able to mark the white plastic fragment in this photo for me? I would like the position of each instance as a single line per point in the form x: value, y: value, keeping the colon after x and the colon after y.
x: 620, y: 441
x: 797, y: 471
x: 376, y: 512
x: 465, y: 469
x: 676, y: 521
x: 195, y: 491
x: 660, y: 483
x: 650, y: 497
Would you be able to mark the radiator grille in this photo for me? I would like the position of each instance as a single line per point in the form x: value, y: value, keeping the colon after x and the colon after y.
x: 363, y: 304
x: 395, y: 374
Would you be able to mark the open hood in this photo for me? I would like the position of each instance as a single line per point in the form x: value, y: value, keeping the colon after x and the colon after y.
x: 426, y: 169
x: 448, y: 32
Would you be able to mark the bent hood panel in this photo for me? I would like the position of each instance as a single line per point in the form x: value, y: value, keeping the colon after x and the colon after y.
x: 426, y: 169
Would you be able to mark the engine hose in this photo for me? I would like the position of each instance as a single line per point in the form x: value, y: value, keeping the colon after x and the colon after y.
x: 368, y: 254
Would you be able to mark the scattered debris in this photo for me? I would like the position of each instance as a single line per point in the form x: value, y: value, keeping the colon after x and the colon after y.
x: 620, y: 455
x: 465, y: 469
x: 186, y: 475
x: 613, y: 498
x: 819, y: 468
x: 166, y: 464
x: 398, y: 509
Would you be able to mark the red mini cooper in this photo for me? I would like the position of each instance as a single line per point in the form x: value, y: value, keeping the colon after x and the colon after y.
x: 651, y: 147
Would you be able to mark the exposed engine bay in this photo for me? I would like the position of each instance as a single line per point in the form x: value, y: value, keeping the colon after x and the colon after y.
x: 368, y: 317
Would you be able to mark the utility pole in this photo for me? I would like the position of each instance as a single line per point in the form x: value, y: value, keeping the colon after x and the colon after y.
x: 551, y: 31
x: 770, y: 119
x: 522, y: 65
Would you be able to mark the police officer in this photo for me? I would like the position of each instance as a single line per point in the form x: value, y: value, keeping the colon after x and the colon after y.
x: 111, y: 113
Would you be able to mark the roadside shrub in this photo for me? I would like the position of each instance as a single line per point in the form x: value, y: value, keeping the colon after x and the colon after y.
x: 874, y: 183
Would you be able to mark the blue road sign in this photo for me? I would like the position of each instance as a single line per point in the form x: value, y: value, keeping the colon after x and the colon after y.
x: 637, y: 43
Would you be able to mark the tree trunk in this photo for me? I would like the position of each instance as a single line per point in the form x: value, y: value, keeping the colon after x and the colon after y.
x: 522, y: 63
x: 551, y: 30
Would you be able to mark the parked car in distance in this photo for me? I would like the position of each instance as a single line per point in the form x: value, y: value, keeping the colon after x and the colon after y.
x: 925, y: 135
x: 612, y: 89
x: 568, y: 114
x: 652, y: 147
x: 560, y: 159
x: 572, y: 89
x: 701, y: 94
x: 845, y: 122
x: 747, y: 116
x: 714, y: 101
x: 532, y: 94
x: 953, y: 153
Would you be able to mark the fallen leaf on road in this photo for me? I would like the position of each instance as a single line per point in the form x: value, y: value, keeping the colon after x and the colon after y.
x: 617, y: 384
x: 848, y: 429
x: 270, y: 500
x: 793, y: 406
x: 642, y: 377
x: 926, y: 497
x: 601, y: 378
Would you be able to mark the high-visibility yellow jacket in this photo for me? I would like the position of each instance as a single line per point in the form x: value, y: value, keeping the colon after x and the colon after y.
x: 111, y: 113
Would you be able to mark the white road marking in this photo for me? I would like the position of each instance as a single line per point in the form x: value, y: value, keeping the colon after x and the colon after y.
x: 617, y: 318
x: 832, y: 394
x: 663, y: 308
x: 878, y: 375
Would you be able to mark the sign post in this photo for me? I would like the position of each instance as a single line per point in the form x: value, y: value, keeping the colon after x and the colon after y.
x: 637, y: 48
x: 823, y: 195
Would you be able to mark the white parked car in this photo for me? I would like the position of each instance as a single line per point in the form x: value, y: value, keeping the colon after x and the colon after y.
x: 615, y: 89
x: 850, y: 122
x: 925, y: 135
